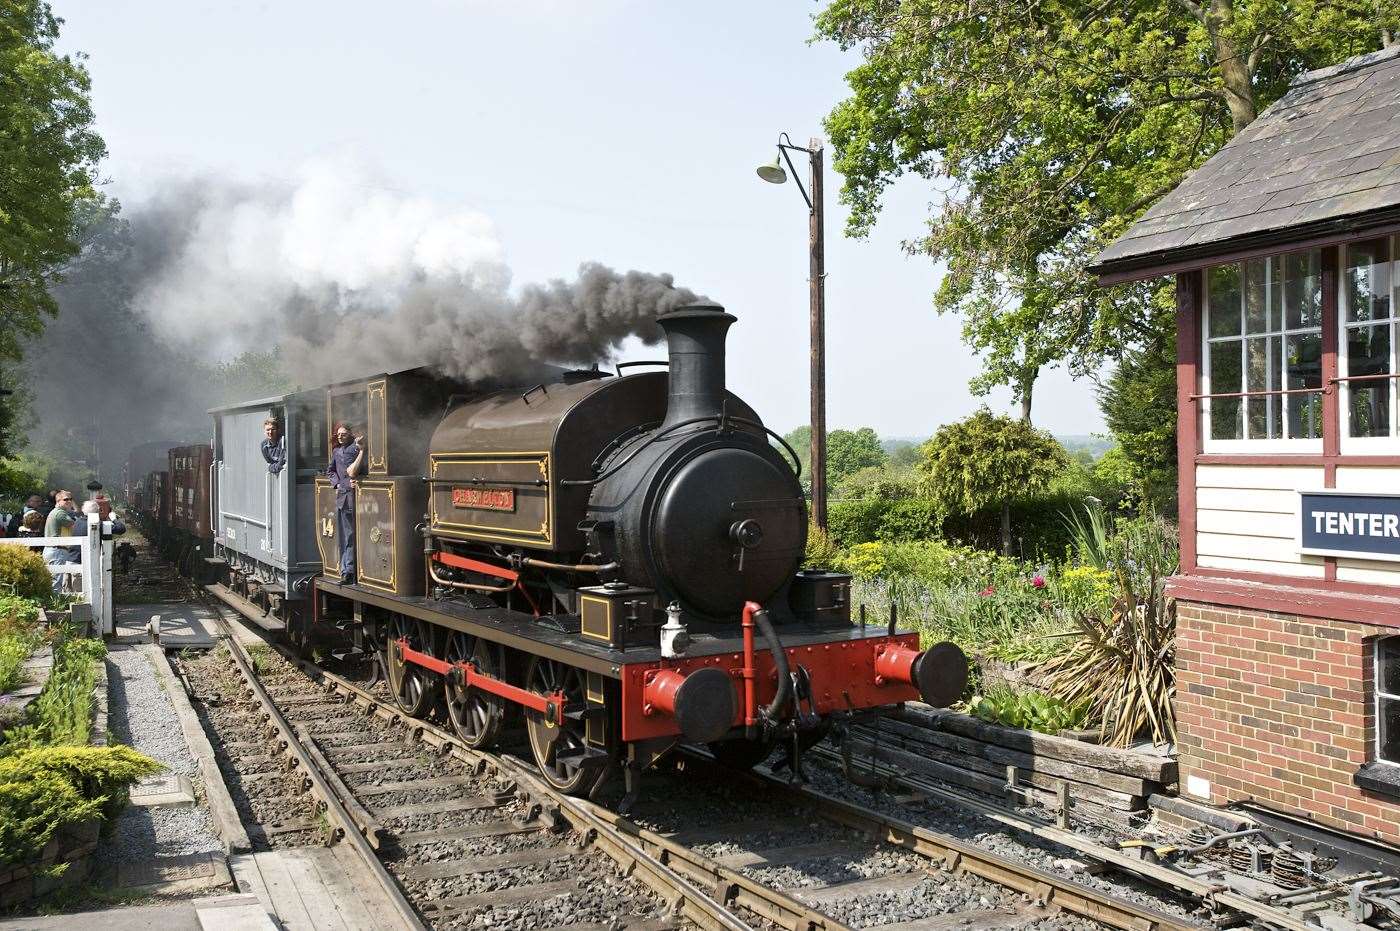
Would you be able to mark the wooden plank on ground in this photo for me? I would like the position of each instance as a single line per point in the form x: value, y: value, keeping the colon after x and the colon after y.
x: 1147, y: 766
x: 1080, y: 790
x: 248, y: 876
x: 287, y: 906
x: 1118, y: 782
x: 320, y: 904
x: 383, y: 916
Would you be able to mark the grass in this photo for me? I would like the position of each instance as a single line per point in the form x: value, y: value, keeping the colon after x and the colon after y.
x: 14, y: 650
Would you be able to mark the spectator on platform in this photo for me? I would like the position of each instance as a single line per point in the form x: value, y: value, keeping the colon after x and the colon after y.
x: 102, y: 507
x: 32, y: 503
x: 274, y: 450
x: 32, y: 525
x: 60, y: 524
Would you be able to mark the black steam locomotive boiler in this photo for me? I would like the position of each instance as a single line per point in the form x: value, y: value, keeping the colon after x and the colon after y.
x: 617, y: 558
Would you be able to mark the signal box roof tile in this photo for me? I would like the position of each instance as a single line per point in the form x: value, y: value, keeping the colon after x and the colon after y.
x: 1324, y: 158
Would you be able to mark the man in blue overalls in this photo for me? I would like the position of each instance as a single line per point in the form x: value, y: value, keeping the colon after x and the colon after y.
x: 346, y: 459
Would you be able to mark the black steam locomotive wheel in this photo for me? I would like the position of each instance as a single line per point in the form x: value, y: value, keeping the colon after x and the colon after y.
x: 476, y: 716
x: 558, y: 748
x: 407, y: 682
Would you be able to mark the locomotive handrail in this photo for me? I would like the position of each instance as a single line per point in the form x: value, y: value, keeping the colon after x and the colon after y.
x: 797, y: 463
x: 622, y: 365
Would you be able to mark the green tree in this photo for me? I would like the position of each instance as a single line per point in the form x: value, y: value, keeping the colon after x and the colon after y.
x: 48, y: 170
x: 849, y: 451
x: 1045, y: 129
x: 1138, y: 402
x: 988, y: 460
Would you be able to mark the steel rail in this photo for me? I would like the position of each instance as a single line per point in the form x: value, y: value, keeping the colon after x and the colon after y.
x: 1212, y: 893
x: 677, y: 873
x: 681, y: 894
x: 319, y: 784
x: 956, y: 854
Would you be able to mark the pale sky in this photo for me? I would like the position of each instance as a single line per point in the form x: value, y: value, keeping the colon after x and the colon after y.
x: 613, y: 130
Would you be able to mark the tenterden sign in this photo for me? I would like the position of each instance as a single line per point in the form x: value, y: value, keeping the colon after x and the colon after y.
x: 1340, y: 523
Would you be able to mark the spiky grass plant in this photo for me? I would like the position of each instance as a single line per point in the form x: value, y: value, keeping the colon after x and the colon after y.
x: 1119, y: 663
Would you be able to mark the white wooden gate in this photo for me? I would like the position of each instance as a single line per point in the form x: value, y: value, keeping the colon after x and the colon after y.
x: 92, y: 577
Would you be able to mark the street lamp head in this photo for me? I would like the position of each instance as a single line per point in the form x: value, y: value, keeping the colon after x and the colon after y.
x: 773, y: 172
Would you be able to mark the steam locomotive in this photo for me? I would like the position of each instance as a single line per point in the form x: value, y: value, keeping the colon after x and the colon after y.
x: 616, y: 558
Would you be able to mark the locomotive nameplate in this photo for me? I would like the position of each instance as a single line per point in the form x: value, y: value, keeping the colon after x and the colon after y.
x: 484, y: 499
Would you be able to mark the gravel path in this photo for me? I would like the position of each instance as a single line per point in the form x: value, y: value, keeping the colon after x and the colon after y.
x: 141, y: 716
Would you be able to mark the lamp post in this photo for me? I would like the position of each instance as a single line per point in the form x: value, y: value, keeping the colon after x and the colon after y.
x: 774, y: 174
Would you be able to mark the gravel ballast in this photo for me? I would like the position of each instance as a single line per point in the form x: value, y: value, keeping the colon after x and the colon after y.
x: 141, y: 716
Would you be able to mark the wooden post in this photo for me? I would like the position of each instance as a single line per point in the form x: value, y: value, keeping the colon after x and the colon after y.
x: 817, y: 287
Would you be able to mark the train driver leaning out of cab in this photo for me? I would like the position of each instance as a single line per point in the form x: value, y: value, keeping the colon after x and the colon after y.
x: 274, y: 451
x: 346, y: 459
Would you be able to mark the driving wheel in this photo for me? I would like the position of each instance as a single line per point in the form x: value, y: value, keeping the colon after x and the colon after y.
x: 559, y: 749
x: 477, y: 716
x: 406, y: 681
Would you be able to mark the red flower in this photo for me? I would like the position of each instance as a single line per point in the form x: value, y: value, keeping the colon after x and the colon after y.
x: 1038, y: 581
x: 988, y: 591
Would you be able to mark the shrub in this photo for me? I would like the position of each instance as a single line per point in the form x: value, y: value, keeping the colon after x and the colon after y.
x: 18, y: 615
x: 854, y: 521
x: 45, y: 788
x: 23, y: 573
x: 61, y: 714
x: 1031, y: 710
x: 821, y: 552
x: 14, y: 650
x: 1120, y: 662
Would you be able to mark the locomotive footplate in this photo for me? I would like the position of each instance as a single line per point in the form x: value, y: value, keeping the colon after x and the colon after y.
x: 846, y: 667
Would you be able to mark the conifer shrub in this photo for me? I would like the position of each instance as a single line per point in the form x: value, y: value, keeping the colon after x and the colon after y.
x: 23, y: 573
x: 44, y: 788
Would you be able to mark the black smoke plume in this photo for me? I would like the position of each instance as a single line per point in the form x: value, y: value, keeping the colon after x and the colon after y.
x: 212, y: 292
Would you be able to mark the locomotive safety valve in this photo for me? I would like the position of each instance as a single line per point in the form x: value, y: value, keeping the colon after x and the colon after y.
x: 702, y: 703
x: 939, y: 673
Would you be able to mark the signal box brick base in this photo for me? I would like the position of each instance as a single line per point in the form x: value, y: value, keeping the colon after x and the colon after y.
x: 1273, y: 708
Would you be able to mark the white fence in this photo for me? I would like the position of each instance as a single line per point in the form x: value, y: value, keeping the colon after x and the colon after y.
x: 89, y: 578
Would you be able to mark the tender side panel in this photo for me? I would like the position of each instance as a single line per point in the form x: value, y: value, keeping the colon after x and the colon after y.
x: 327, y: 530
x: 501, y: 497
x: 389, y: 554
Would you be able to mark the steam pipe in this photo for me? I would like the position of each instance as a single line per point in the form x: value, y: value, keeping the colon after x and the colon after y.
x: 566, y: 567
x: 756, y: 617
x: 780, y: 699
x: 469, y: 586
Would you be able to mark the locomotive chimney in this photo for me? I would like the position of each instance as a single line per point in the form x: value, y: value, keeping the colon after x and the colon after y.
x: 695, y: 339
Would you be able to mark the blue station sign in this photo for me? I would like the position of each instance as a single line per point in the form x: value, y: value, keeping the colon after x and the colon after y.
x: 1338, y: 523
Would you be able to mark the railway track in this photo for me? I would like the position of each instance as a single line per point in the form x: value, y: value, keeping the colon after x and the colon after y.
x: 460, y: 838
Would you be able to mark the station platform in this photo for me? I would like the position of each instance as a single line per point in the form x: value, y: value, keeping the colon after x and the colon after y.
x: 179, y: 853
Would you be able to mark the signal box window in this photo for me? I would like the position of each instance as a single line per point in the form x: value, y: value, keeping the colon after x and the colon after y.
x: 1388, y: 700
x: 1263, y: 350
x: 1367, y: 363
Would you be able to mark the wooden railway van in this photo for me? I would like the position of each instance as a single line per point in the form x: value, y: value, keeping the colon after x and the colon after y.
x: 264, y: 523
